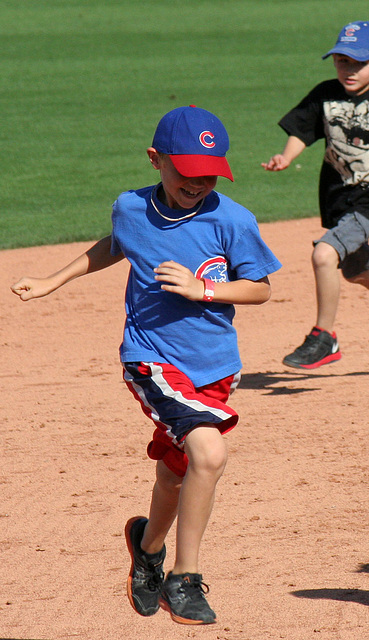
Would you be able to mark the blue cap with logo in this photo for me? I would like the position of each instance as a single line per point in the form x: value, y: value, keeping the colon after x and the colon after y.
x: 353, y: 41
x: 196, y: 141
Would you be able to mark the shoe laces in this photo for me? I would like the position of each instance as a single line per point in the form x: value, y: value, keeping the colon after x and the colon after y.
x: 150, y: 575
x: 196, y: 586
x: 155, y: 581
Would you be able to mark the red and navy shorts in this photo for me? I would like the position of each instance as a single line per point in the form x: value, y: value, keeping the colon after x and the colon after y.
x: 169, y: 398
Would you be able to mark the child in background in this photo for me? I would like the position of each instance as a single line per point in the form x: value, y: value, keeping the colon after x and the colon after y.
x: 194, y: 253
x: 336, y: 110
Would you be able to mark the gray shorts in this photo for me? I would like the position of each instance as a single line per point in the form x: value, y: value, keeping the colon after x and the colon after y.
x: 350, y: 239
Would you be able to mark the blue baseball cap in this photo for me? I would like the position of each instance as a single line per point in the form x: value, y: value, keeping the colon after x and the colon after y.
x: 196, y: 141
x: 353, y: 41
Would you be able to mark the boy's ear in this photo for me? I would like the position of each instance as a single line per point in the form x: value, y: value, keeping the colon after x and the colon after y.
x: 154, y: 157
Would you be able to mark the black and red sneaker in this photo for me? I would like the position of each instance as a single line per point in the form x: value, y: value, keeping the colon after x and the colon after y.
x: 318, y: 348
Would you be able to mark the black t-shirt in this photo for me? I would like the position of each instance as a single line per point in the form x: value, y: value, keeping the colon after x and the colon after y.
x: 343, y: 121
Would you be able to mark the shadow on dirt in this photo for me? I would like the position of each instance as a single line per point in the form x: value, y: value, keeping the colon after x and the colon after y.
x: 266, y: 380
x: 343, y: 595
x: 363, y: 568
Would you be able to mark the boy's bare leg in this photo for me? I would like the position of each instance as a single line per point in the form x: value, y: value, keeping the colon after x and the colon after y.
x: 207, y: 454
x: 327, y: 279
x: 163, y: 510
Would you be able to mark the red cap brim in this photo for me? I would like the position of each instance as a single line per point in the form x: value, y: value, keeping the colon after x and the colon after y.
x: 194, y: 166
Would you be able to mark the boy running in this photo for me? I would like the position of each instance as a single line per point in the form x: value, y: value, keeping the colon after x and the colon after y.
x: 194, y: 253
x: 336, y: 110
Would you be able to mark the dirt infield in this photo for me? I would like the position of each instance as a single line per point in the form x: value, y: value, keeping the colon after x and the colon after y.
x: 286, y: 553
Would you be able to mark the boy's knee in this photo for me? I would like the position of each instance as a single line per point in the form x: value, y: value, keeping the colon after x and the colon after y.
x: 324, y: 255
x: 214, y: 461
x: 207, y: 451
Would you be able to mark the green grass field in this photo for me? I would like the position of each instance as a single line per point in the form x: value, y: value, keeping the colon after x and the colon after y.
x: 84, y: 83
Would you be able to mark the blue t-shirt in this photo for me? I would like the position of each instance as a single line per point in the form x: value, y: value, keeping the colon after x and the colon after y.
x: 221, y: 242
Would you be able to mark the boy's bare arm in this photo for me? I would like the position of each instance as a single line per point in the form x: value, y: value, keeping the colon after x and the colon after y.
x: 280, y: 161
x: 96, y: 258
x: 178, y: 279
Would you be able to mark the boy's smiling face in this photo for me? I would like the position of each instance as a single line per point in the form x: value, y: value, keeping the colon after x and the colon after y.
x: 181, y: 192
x: 352, y: 74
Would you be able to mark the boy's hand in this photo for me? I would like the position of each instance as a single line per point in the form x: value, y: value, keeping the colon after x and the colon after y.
x: 28, y: 288
x: 179, y: 279
x: 276, y: 163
